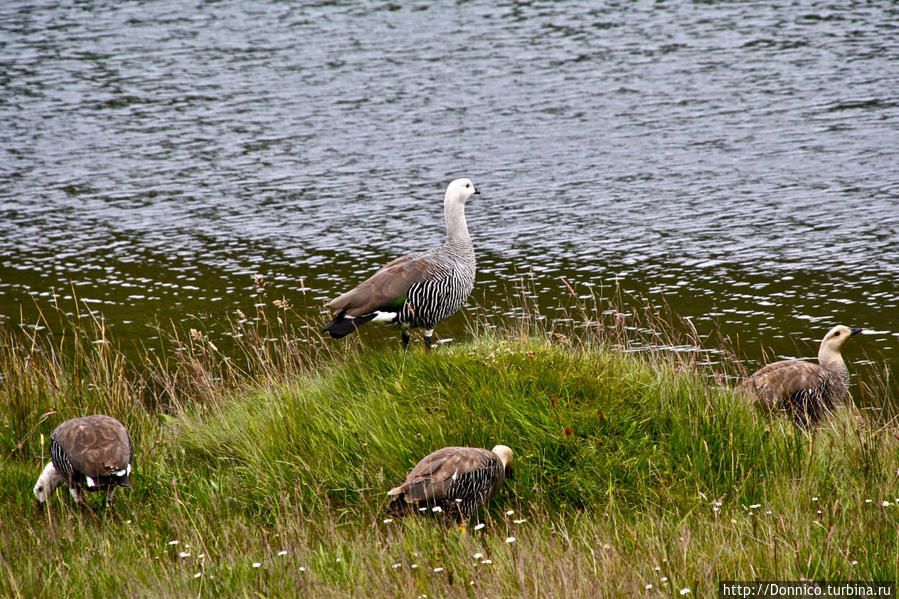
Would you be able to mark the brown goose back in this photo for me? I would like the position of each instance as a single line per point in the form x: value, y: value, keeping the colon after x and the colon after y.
x: 95, y: 446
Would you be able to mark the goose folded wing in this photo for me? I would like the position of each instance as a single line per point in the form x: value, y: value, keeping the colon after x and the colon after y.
x: 433, y: 477
x: 96, y: 447
x: 783, y: 379
x: 387, y: 288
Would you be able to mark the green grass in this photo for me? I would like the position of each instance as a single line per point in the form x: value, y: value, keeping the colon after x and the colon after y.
x: 629, y: 468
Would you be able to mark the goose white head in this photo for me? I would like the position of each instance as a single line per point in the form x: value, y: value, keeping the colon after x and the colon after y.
x: 504, y: 454
x: 47, y: 483
x: 833, y: 343
x: 457, y: 193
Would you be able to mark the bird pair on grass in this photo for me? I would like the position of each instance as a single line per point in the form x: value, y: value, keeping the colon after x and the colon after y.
x: 94, y: 453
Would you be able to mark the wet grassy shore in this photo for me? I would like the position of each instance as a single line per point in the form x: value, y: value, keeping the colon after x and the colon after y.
x: 263, y: 470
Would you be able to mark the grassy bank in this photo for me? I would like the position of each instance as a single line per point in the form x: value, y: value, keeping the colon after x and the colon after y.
x: 266, y: 474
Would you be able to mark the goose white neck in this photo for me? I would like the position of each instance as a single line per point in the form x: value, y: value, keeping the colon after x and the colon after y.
x: 456, y: 226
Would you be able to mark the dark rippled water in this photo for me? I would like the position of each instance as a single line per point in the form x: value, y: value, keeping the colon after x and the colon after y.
x: 740, y: 161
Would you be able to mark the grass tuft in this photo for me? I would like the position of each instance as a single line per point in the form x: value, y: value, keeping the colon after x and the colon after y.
x: 264, y: 453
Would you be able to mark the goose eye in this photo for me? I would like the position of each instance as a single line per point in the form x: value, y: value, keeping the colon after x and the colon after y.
x: 837, y: 334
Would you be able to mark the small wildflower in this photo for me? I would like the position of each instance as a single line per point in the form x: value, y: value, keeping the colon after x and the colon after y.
x: 885, y: 504
x: 648, y: 587
x: 486, y: 562
x: 471, y: 583
x: 339, y: 559
x: 867, y: 501
x: 302, y: 568
x: 755, y: 506
x: 438, y: 569
x: 422, y: 509
x: 478, y: 555
x: 436, y: 508
x: 657, y: 568
x: 257, y: 564
x: 458, y: 500
x: 282, y: 552
x: 522, y: 521
x: 414, y: 566
x: 853, y: 563
x: 768, y: 511
x: 716, y: 509
x: 510, y: 512
x: 175, y: 542
x: 388, y: 520
x: 396, y: 565
x: 510, y: 539
x: 684, y: 591
x: 183, y: 554
x: 664, y: 579
x: 479, y: 526
x: 198, y: 574
x: 814, y: 499
x: 820, y: 512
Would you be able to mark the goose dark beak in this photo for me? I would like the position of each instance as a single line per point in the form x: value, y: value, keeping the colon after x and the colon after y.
x: 855, y: 331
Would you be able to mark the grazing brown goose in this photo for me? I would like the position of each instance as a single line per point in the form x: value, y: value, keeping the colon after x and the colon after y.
x: 453, y: 481
x: 87, y: 454
x: 805, y: 390
x: 417, y: 290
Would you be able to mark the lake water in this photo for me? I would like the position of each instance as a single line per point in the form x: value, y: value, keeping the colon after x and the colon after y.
x: 739, y: 161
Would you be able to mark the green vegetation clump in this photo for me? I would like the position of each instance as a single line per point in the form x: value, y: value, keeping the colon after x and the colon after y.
x: 265, y: 472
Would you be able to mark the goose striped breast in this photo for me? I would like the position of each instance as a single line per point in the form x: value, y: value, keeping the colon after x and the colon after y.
x: 457, y: 480
x: 90, y: 453
x: 418, y: 290
x: 805, y: 390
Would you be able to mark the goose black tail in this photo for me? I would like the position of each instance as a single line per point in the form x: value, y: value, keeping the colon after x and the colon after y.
x: 342, y: 326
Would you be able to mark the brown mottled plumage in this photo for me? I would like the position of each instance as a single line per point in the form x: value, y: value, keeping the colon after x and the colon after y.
x: 805, y: 390
x: 454, y: 481
x: 87, y: 454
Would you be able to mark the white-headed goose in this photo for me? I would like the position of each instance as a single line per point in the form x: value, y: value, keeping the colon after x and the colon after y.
x: 90, y: 453
x: 457, y: 480
x: 418, y: 290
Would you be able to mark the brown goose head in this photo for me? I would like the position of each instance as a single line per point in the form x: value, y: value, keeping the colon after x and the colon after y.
x: 832, y: 344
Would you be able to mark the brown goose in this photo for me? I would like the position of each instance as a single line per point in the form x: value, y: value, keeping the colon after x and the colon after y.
x: 807, y: 391
x: 453, y: 481
x: 418, y: 290
x: 87, y: 454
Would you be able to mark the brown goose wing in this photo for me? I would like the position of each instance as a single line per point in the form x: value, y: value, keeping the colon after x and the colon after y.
x: 778, y: 381
x: 433, y: 476
x: 94, y: 445
x: 386, y: 287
